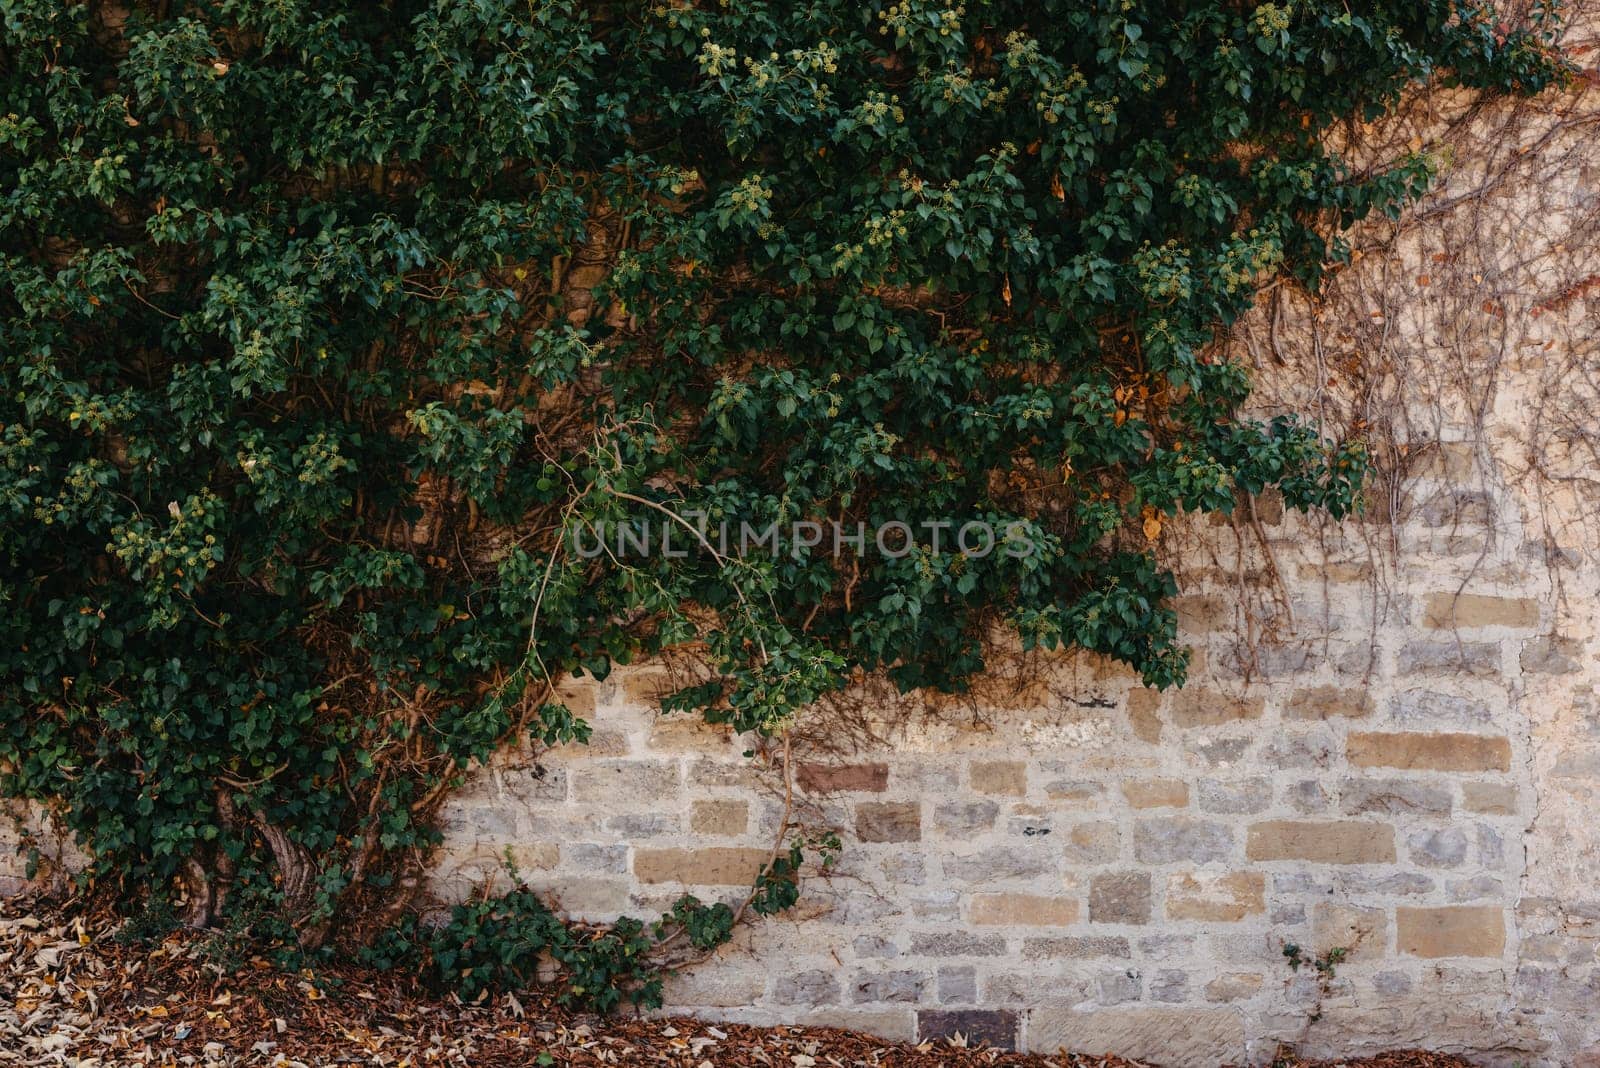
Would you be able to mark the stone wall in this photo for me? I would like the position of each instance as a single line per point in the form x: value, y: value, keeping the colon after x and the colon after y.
x: 1390, y: 746
x: 1116, y: 871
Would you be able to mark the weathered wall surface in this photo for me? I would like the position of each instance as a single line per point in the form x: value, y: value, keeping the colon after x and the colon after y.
x: 1391, y: 744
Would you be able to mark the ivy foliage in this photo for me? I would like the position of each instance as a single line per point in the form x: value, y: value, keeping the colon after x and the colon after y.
x: 322, y: 325
x: 501, y: 942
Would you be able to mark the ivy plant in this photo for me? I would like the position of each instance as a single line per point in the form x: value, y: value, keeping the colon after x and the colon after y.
x: 331, y: 331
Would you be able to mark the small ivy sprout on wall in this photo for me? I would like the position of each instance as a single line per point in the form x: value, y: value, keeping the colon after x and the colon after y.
x: 1326, y: 967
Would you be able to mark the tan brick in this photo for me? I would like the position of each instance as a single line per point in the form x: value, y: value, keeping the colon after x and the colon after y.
x: 1214, y: 897
x: 1450, y: 657
x: 993, y: 690
x: 1455, y: 461
x: 1208, y: 708
x: 1156, y: 793
x: 1142, y: 716
x: 742, y: 774
x: 714, y: 866
x: 1120, y: 897
x: 689, y: 734
x: 889, y: 821
x: 1078, y: 947
x: 1445, y: 610
x: 1429, y: 752
x: 646, y: 687
x: 1321, y: 841
x: 1118, y: 760
x: 1235, y: 986
x: 1336, y: 571
x: 601, y: 743
x: 1198, y: 613
x: 1023, y: 910
x: 624, y: 782
x: 1458, y: 931
x: 586, y: 275
x: 1181, y: 1038
x: 715, y: 987
x: 1165, y: 839
x: 1328, y: 702
x: 1008, y: 778
x: 1551, y: 654
x: 1091, y: 843
x: 526, y: 855
x: 842, y: 778
x: 1490, y: 798
x: 1361, y: 933
x: 579, y: 697
x: 1082, y: 793
x: 720, y: 817
x: 457, y: 874
x: 894, y: 1025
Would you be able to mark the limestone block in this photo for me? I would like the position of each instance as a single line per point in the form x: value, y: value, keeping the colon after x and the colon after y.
x: 1178, y: 1038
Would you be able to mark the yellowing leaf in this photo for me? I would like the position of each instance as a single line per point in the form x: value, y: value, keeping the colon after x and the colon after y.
x: 1152, y: 523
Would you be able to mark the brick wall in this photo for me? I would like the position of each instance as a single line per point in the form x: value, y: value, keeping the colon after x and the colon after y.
x: 1391, y: 743
x: 1390, y: 746
x: 1108, y: 871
